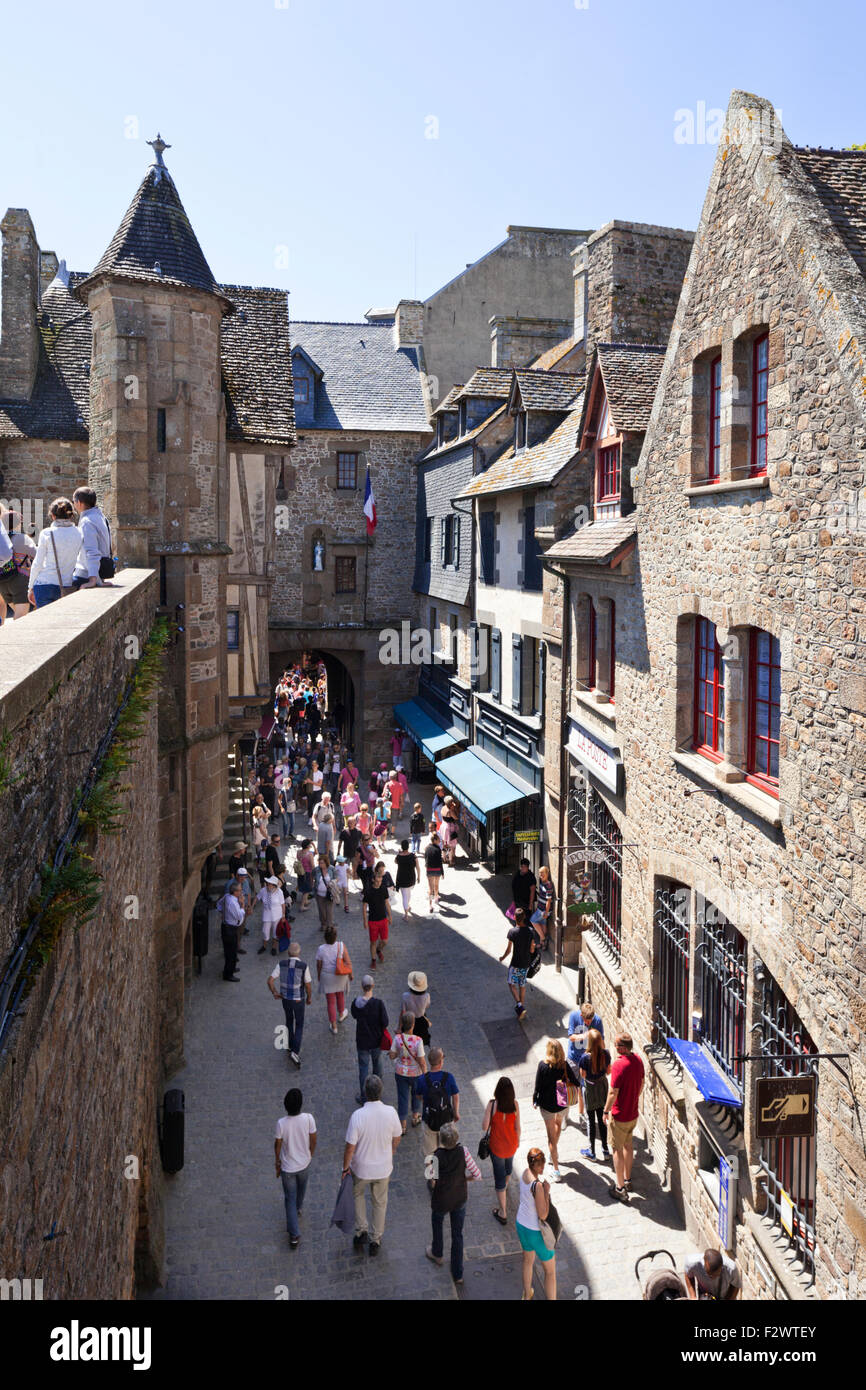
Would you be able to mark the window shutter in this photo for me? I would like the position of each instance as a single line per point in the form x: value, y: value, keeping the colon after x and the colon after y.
x: 516, y: 670
x: 443, y: 541
x: 542, y: 675
x: 473, y: 655
x: 496, y: 663
x: 456, y: 542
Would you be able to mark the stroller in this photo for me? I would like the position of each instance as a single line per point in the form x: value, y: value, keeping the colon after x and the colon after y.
x: 662, y: 1285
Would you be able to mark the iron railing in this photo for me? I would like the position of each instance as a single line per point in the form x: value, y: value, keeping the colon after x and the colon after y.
x: 720, y: 964
x: 671, y: 932
x: 599, y: 838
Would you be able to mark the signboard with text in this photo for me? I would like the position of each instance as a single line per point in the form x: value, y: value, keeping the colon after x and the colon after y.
x: 527, y: 837
x: 604, y: 762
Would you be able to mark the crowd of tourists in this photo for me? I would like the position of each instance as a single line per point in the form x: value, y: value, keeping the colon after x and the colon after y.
x: 72, y: 552
x: 337, y: 834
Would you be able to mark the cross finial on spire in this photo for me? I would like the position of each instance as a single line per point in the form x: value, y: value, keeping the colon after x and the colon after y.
x: 158, y: 145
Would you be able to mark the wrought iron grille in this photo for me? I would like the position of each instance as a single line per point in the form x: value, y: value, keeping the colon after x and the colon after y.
x: 600, y: 840
x: 720, y: 963
x: 671, y: 936
x: 788, y: 1164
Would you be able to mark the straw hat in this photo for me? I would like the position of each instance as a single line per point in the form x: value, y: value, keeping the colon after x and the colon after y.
x: 417, y: 981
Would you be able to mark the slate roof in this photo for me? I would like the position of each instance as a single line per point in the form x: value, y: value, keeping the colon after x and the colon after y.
x: 540, y: 390
x: 489, y: 381
x: 839, y: 179
x: 598, y: 543
x: 549, y: 359
x: 630, y: 372
x: 157, y: 232
x: 257, y: 366
x: 461, y: 439
x: 59, y: 406
x: 534, y: 467
x: 450, y: 401
x: 366, y: 383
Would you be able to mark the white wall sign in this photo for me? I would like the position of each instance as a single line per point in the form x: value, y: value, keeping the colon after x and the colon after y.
x: 600, y: 760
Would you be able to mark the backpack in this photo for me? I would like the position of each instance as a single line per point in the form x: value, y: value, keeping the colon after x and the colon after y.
x: 438, y: 1109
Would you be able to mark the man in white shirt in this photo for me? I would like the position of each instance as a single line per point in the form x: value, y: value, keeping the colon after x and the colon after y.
x: 95, y: 540
x: 294, y: 1146
x: 371, y: 1142
x: 231, y: 909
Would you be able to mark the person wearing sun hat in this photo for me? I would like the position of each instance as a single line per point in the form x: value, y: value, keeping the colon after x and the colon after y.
x: 273, y: 908
x: 239, y: 857
x: 416, y: 1000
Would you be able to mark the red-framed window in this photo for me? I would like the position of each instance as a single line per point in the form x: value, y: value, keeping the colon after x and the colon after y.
x: 612, y: 673
x: 608, y: 474
x: 760, y: 381
x: 764, y: 710
x: 709, y: 723
x: 590, y: 674
x: 715, y: 440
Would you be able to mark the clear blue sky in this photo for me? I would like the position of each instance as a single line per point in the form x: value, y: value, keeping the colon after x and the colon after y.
x: 305, y: 126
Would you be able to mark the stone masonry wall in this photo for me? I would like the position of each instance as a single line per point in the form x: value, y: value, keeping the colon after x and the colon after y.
x: 775, y: 558
x: 80, y: 1071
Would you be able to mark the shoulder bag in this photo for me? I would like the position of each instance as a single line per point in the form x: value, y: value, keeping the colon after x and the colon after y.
x: 551, y: 1226
x: 57, y: 563
x: 344, y: 964
x: 484, y: 1145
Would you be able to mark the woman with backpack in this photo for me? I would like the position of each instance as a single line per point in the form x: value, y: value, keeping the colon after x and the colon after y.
x: 14, y: 574
x: 552, y: 1077
x: 334, y: 971
x: 594, y: 1067
x: 407, y: 1054
x: 502, y: 1125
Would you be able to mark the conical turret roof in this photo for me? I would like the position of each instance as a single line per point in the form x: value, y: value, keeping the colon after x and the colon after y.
x: 155, y: 241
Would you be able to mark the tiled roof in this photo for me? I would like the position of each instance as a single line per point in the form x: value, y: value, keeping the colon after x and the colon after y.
x: 366, y: 383
x: 549, y: 359
x: 257, y: 366
x: 59, y: 406
x: 839, y: 178
x: 155, y: 241
x: 597, y: 543
x: 461, y: 439
x: 533, y: 467
x: 630, y: 372
x: 450, y: 401
x: 488, y: 381
x: 540, y: 390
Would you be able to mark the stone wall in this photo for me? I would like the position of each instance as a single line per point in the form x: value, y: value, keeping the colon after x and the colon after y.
x: 33, y: 472
x: 80, y: 1072
x: 628, y: 278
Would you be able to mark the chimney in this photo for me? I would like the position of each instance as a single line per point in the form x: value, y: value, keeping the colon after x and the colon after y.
x: 408, y: 323
x: 632, y: 276
x: 48, y: 267
x: 516, y: 341
x: 19, y: 337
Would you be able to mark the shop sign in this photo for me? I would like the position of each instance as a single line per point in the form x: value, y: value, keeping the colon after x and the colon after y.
x: 527, y: 837
x: 596, y: 757
x: 785, y: 1107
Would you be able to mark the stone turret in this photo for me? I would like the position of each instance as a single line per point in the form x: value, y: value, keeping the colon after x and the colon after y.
x: 19, y: 336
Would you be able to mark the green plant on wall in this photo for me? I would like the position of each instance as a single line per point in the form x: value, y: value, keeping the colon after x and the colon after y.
x: 71, y: 892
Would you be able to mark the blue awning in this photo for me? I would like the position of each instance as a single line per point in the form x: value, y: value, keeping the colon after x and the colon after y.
x: 431, y: 736
x: 706, y: 1073
x: 478, y: 785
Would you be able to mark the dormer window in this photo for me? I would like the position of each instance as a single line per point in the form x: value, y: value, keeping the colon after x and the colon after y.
x: 607, y: 474
x: 520, y: 431
x: 462, y: 417
x: 302, y: 390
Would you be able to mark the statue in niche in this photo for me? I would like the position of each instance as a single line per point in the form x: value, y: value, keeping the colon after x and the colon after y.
x: 318, y: 554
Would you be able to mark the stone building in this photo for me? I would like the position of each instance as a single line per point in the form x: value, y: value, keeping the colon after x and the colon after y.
x: 361, y: 403
x: 737, y: 724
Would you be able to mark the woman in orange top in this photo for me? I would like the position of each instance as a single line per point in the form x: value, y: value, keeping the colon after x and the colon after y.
x: 502, y: 1118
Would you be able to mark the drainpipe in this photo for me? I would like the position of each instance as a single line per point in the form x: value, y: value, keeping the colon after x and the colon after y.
x: 561, y: 879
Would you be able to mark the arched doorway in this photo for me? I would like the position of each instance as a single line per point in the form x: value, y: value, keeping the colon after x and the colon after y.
x: 341, y: 705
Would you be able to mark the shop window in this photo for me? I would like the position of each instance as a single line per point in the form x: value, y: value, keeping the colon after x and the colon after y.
x: 720, y: 967
x: 788, y: 1165
x: 671, y: 944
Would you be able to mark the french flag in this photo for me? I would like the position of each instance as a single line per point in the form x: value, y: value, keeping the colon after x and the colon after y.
x: 369, y: 505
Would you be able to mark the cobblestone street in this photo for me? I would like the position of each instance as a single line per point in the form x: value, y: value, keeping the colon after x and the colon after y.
x: 226, y: 1233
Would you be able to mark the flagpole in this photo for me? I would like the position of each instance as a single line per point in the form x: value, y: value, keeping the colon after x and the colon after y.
x: 366, y: 572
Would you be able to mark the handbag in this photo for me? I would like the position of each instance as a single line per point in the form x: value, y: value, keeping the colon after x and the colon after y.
x: 550, y: 1226
x: 344, y: 964
x: 334, y: 891
x: 386, y: 1041
x: 595, y: 1093
x: 566, y: 1094
x: 291, y: 807
x: 106, y: 562
x: 484, y: 1144
x: 511, y: 912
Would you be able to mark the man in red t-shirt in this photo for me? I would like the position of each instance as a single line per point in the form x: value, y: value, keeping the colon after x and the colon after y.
x: 621, y: 1111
